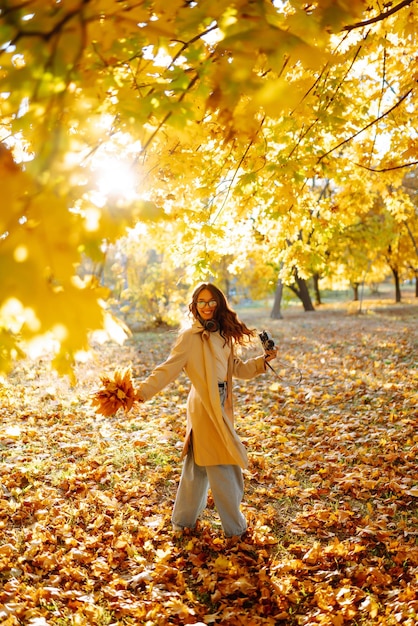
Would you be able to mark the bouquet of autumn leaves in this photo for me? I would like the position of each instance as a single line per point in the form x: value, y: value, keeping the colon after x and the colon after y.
x: 116, y: 393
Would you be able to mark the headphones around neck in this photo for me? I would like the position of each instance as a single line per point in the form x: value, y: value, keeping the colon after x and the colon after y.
x: 211, y: 325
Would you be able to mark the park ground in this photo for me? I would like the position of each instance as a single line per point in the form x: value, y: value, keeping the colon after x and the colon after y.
x: 331, y: 489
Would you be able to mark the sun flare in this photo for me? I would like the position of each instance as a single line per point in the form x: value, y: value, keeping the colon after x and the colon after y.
x: 115, y: 179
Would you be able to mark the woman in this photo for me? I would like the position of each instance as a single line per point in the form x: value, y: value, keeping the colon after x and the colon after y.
x: 213, y: 454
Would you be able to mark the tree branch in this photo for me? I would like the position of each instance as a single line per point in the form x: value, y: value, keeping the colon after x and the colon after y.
x: 379, y: 107
x: 164, y: 120
x: 387, y: 169
x: 186, y: 44
x: 306, y: 132
x: 377, y: 119
x: 380, y: 17
x: 411, y: 235
x: 47, y: 35
x: 247, y: 149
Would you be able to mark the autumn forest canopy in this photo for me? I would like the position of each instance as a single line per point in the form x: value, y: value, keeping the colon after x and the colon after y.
x: 251, y: 141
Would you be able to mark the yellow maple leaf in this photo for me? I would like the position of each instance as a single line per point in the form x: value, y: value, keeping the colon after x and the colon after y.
x: 222, y: 563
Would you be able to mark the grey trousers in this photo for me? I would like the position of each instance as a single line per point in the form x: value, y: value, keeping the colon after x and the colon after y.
x: 227, y: 486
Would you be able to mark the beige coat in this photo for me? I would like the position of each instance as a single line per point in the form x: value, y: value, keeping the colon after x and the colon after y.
x: 215, y: 441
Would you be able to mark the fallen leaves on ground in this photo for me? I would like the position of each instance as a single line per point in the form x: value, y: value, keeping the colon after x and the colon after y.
x: 331, y: 490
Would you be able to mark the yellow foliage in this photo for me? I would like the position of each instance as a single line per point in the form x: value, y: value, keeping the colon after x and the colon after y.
x: 15, y: 188
x: 275, y: 97
x: 223, y: 109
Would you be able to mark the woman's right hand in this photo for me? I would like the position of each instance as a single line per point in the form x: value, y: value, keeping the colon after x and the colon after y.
x: 269, y: 355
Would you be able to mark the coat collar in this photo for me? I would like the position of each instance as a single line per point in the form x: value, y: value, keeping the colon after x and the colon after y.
x: 197, y: 327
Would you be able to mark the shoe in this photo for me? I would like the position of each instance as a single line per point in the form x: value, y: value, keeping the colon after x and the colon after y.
x: 232, y: 541
x: 177, y: 528
x: 187, y: 530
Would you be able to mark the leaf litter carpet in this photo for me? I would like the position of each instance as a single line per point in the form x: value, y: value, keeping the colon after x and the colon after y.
x: 331, y: 490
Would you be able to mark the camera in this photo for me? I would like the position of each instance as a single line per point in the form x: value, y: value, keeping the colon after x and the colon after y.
x: 267, y: 340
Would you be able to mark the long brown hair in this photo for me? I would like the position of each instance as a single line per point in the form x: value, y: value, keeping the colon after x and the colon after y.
x: 229, y: 325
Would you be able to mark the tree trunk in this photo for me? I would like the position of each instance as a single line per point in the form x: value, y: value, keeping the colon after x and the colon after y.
x: 302, y: 293
x: 398, y: 295
x: 355, y: 292
x: 276, y: 313
x: 316, y: 289
x: 416, y: 285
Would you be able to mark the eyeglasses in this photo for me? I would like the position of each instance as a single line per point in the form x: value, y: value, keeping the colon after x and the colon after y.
x: 202, y: 303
